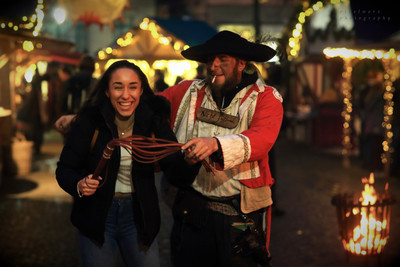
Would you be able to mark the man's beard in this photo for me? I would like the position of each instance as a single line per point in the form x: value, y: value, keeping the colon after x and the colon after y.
x: 228, y: 85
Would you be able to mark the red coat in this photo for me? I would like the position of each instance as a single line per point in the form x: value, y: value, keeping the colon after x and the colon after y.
x: 263, y: 129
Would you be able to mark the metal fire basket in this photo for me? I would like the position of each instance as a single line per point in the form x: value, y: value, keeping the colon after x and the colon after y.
x: 364, y: 229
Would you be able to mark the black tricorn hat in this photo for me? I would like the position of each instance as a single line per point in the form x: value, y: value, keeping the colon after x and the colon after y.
x: 227, y: 42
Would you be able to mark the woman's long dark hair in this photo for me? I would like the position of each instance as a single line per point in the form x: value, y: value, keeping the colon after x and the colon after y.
x: 98, y: 96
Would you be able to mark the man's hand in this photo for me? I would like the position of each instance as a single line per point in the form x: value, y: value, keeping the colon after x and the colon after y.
x: 200, y: 148
x: 63, y: 124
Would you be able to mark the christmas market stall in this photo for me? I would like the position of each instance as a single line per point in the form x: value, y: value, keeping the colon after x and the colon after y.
x: 156, y: 43
x: 316, y: 95
x: 313, y: 97
x: 389, y: 55
x: 24, y: 55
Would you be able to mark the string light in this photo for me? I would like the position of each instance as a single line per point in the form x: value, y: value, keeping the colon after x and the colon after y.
x: 183, y: 68
x: 27, y: 46
x: 361, y: 54
x: 146, y: 25
x: 388, y: 113
x: 39, y: 18
x: 294, y: 41
x: 346, y: 112
x: 33, y: 24
x: 350, y: 56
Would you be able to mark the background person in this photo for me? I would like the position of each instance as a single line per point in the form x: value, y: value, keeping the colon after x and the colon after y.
x: 32, y: 116
x: 371, y: 107
x: 79, y: 85
x: 64, y: 73
x: 159, y: 83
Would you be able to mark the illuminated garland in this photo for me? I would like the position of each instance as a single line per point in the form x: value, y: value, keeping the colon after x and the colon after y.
x: 34, y: 23
x: 387, y: 57
x: 147, y: 25
x: 347, y: 110
x: 296, y: 33
x: 362, y: 54
x: 388, y: 115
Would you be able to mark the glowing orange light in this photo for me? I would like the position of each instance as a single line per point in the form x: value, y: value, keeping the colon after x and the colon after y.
x: 367, y: 236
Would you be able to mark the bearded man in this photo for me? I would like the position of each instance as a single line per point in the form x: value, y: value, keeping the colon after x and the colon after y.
x: 231, y: 119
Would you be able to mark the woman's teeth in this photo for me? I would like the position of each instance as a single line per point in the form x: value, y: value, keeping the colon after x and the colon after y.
x: 125, y: 104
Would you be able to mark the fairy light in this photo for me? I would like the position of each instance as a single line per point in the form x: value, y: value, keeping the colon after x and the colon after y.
x: 175, y: 67
x: 33, y: 23
x: 387, y: 57
x: 28, y: 46
x: 294, y: 41
x: 388, y: 114
x: 109, y: 50
x: 39, y: 18
x: 346, y: 112
x: 146, y: 25
x: 126, y: 40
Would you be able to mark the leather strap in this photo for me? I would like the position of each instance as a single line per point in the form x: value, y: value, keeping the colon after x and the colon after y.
x: 94, y: 138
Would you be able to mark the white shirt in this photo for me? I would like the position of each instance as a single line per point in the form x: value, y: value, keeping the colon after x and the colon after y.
x: 124, y: 177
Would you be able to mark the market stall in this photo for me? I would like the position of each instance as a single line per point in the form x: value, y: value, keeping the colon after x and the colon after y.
x: 23, y: 52
x: 313, y: 98
x: 388, y: 53
x: 353, y: 63
x: 156, y: 43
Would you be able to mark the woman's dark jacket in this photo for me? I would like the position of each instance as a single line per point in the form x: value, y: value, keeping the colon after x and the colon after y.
x: 78, y: 159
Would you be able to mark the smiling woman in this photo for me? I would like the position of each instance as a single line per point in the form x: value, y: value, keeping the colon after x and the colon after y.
x: 124, y: 92
x: 120, y: 205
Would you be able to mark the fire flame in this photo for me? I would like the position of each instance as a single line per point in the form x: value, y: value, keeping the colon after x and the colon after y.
x: 368, y: 235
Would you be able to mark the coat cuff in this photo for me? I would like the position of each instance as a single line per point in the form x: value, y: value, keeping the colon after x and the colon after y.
x: 235, y: 149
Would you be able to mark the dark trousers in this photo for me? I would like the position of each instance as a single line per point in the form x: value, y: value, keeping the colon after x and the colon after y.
x: 211, y: 244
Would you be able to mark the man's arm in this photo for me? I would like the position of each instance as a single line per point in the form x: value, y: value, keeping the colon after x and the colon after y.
x: 63, y: 124
x: 255, y: 142
x: 250, y: 145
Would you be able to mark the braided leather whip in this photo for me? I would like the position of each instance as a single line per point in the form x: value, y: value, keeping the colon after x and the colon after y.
x: 142, y: 149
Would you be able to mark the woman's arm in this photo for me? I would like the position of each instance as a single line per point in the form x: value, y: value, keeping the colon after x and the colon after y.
x: 74, y: 159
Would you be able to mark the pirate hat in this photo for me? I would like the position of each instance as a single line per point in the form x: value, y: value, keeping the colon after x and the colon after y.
x: 227, y: 42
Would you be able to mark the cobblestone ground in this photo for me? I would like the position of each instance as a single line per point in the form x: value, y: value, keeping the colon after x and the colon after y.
x: 308, y: 233
x: 35, y: 229
x: 36, y: 233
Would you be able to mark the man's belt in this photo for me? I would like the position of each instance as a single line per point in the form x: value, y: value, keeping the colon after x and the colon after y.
x: 223, y: 205
x: 223, y: 208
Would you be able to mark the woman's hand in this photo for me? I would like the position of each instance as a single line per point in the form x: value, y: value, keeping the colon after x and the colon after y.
x: 200, y: 148
x: 88, y: 186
